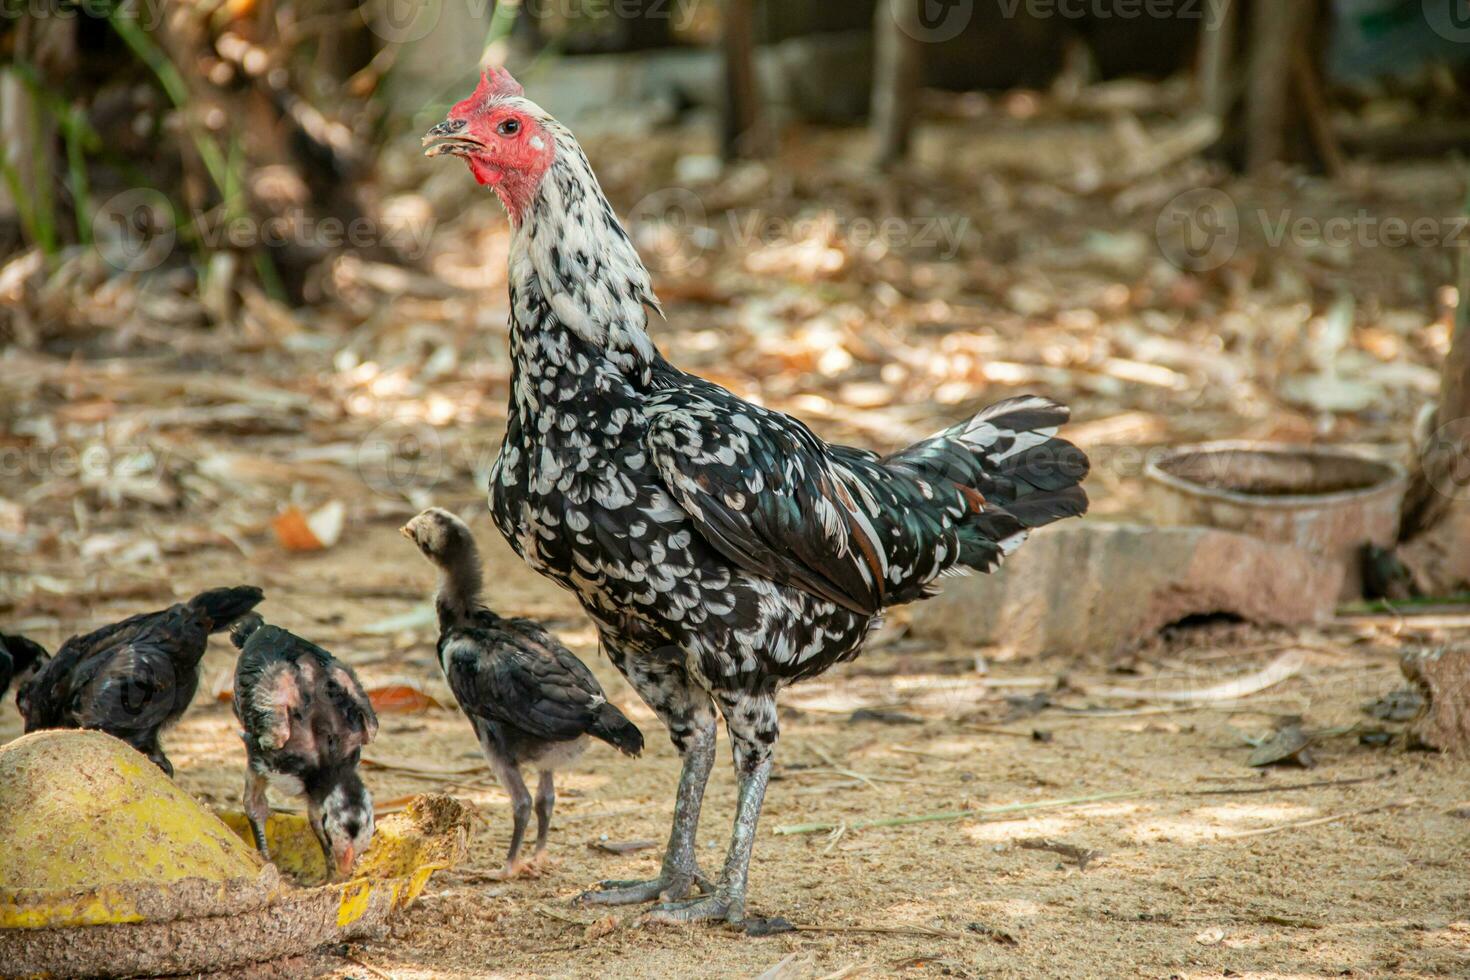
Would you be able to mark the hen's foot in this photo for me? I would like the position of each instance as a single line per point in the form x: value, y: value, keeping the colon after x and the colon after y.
x: 718, y: 906
x: 667, y: 887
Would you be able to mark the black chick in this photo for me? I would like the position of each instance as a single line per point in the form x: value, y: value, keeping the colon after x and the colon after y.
x: 529, y: 698
x: 305, y: 719
x: 132, y: 679
x: 20, y: 659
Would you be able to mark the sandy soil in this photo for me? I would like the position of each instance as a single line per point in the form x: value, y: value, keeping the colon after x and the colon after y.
x: 1172, y: 894
x: 1207, y: 869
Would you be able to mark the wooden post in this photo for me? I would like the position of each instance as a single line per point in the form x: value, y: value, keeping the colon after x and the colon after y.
x: 1446, y: 455
x: 1276, y: 29
x: 741, y: 134
x: 896, y: 33
x: 1215, y: 90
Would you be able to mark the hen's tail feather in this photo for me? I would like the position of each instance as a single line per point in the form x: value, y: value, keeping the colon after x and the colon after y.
x: 1009, y: 453
x: 223, y: 606
x: 244, y: 628
x: 614, y: 728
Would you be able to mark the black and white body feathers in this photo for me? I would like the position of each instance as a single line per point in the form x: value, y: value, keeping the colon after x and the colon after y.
x: 722, y: 549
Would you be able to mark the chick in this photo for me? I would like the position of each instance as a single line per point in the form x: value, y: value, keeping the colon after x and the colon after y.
x: 304, y: 720
x: 20, y: 659
x: 530, y: 700
x: 134, y: 678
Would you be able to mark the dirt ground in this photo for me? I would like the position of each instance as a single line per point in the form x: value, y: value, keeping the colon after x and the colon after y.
x: 204, y: 425
x: 1174, y: 891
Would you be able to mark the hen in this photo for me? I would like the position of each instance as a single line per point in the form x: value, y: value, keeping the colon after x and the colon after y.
x: 721, y: 548
x: 531, y: 701
x: 134, y: 678
x: 305, y: 719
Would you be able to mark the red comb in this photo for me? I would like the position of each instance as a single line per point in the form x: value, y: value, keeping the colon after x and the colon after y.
x: 495, y: 83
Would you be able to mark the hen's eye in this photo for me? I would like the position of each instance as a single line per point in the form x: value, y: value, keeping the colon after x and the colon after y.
x: 509, y: 127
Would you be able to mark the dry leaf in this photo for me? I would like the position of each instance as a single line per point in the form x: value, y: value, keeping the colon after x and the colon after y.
x: 299, y: 532
x: 400, y: 699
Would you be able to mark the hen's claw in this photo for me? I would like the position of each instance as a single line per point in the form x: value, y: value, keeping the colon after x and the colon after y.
x: 712, y: 907
x: 666, y: 888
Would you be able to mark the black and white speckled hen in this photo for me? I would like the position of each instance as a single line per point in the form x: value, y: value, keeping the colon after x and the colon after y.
x: 531, y: 701
x: 304, y: 718
x: 721, y: 548
x: 134, y: 678
x: 20, y: 659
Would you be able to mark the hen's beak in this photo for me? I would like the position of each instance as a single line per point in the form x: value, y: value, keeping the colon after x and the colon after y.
x: 406, y: 531
x: 449, y: 133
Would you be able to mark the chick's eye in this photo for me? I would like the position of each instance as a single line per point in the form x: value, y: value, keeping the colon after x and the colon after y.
x: 508, y: 127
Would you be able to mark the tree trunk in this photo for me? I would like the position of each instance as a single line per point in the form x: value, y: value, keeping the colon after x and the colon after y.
x: 896, y: 32
x: 1216, y: 92
x: 1276, y: 31
x: 740, y: 130
x: 1434, y: 526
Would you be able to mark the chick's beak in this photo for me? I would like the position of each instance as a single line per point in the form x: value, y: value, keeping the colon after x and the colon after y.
x: 449, y: 137
x: 345, y: 861
x: 406, y: 531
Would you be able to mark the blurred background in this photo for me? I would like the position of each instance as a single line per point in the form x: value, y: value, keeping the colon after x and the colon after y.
x: 231, y: 287
x: 247, y: 329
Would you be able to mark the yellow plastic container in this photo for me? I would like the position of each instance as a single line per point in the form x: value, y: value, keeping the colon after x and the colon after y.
x: 107, y: 868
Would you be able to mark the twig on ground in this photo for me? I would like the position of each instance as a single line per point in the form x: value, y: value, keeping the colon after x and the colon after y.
x: 1080, y: 856
x: 1318, y: 821
x: 366, y: 966
x: 1315, y: 784
x: 951, y: 815
x: 1285, y: 666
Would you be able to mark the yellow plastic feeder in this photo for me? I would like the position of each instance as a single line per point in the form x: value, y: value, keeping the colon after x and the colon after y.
x: 109, y: 869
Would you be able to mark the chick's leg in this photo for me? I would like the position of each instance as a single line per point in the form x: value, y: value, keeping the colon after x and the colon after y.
x: 752, y: 725
x: 509, y: 776
x: 545, y: 802
x: 690, y: 718
x: 257, y: 810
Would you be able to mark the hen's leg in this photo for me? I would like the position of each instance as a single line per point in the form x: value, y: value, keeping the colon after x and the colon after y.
x: 545, y: 802
x: 690, y: 718
x: 751, y: 720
